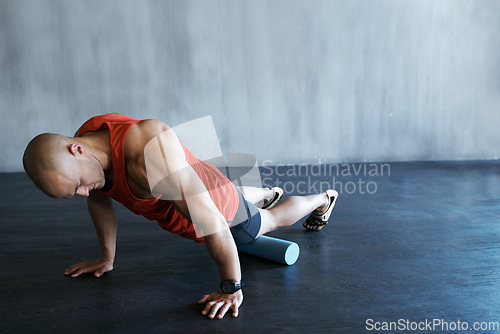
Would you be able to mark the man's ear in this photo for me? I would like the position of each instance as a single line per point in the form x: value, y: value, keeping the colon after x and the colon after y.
x: 76, y: 149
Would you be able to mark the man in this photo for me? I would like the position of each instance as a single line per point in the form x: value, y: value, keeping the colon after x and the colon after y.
x: 106, y: 160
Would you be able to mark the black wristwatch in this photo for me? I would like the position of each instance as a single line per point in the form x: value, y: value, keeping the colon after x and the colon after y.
x: 230, y: 286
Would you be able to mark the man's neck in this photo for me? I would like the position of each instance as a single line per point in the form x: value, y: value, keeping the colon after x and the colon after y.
x: 97, y: 145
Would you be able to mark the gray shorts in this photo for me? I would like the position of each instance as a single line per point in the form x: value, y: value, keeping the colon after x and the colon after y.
x: 246, y: 223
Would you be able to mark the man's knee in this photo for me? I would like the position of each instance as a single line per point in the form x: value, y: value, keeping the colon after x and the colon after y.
x: 268, y: 220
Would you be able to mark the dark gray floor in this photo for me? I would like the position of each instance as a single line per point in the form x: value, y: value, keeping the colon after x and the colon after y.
x: 424, y: 246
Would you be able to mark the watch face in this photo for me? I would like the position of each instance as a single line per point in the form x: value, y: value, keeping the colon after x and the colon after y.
x: 228, y: 286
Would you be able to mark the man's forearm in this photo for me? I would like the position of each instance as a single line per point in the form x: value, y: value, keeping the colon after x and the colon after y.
x: 107, y: 239
x: 223, y: 250
x: 104, y: 219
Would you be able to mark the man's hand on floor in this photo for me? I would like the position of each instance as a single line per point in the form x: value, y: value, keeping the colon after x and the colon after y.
x: 98, y: 267
x: 220, y: 302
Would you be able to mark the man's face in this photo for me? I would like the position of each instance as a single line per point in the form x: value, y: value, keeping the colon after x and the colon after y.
x: 76, y: 176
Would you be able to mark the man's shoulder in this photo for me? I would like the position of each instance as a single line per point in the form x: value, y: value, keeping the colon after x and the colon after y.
x: 151, y: 127
x: 146, y: 129
x: 141, y: 133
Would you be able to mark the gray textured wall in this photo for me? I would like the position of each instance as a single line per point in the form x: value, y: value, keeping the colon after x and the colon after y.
x: 291, y: 81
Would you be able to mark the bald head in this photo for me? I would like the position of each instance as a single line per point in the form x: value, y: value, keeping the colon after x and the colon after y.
x: 45, y: 155
x: 63, y: 166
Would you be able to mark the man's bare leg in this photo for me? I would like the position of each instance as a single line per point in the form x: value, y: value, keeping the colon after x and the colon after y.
x: 291, y: 210
x: 256, y: 195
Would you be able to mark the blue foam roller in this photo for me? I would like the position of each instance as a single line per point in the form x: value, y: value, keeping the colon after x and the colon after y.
x: 273, y: 249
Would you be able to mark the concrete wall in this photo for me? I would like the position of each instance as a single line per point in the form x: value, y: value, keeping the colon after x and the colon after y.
x: 287, y: 80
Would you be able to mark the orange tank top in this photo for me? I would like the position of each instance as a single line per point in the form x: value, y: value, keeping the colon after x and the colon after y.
x: 220, y: 188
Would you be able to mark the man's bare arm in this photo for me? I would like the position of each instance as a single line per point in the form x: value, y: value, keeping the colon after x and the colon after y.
x: 219, y: 242
x: 103, y: 215
x: 181, y: 181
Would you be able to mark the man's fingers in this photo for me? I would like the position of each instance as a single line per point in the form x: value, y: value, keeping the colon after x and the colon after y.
x: 68, y: 271
x: 207, y: 308
x: 71, y: 269
x: 203, y: 299
x: 78, y: 273
x: 215, y: 308
x: 223, y: 310
x: 82, y: 270
x: 234, y: 307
